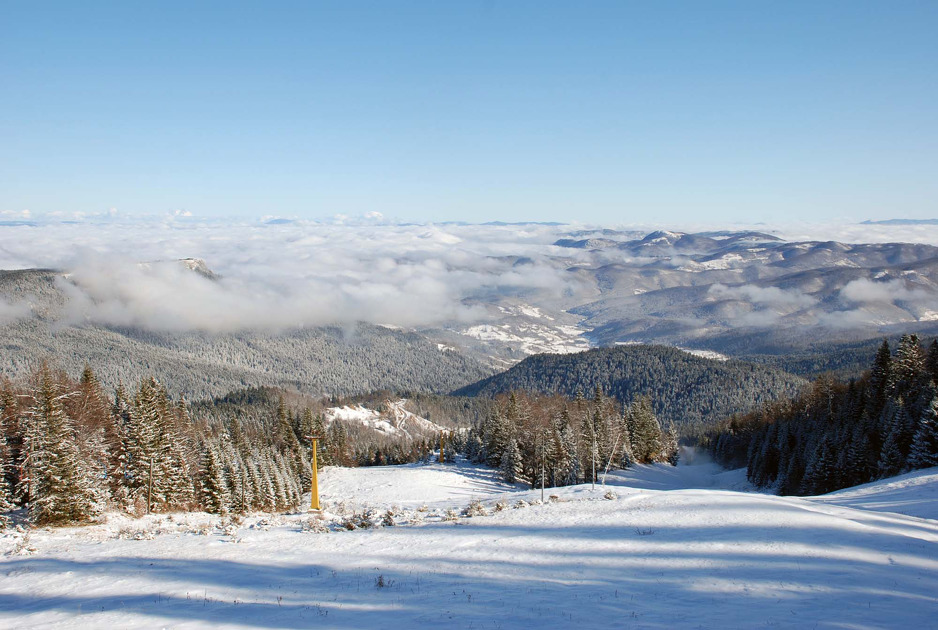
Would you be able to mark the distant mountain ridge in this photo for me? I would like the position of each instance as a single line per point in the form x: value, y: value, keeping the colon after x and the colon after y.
x: 901, y: 222
x: 709, y: 290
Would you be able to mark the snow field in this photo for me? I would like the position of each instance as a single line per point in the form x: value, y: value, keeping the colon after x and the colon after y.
x: 657, y: 547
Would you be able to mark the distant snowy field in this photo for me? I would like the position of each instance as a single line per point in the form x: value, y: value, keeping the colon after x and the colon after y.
x: 657, y: 547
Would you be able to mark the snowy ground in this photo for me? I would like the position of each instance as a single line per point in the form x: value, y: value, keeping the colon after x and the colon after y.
x: 656, y: 547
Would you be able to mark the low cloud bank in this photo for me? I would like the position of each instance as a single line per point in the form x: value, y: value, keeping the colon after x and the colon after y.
x: 891, y: 291
x: 282, y: 274
x: 763, y: 296
x: 274, y: 277
x: 12, y: 311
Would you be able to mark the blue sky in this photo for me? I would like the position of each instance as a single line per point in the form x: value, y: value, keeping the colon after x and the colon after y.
x: 606, y: 112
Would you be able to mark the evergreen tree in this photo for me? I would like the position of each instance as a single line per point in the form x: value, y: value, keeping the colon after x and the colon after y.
x: 59, y: 490
x: 819, y: 472
x: 141, y: 443
x: 924, y: 451
x: 671, y: 452
x: 213, y: 492
x: 907, y: 367
x: 890, y: 459
x: 879, y: 379
x: 794, y: 475
x: 646, y: 432
x: 931, y: 361
x: 6, y: 496
x: 568, y: 463
x: 511, y: 462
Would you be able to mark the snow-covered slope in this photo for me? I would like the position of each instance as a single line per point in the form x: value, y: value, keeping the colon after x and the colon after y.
x: 411, y: 487
x: 912, y: 494
x: 394, y: 419
x: 655, y: 548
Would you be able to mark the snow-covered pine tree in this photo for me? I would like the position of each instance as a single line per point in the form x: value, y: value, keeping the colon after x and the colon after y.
x: 498, y: 437
x: 474, y: 447
x: 118, y: 457
x: 646, y: 434
x: 232, y: 474
x: 213, y: 493
x: 6, y: 496
x: 337, y: 442
x: 256, y: 485
x: 818, y: 474
x: 924, y: 451
x: 931, y: 361
x: 567, y: 462
x: 603, y: 412
x: 890, y: 458
x: 174, y: 480
x: 59, y: 490
x: 141, y: 442
x: 268, y: 488
x: 671, y: 451
x: 907, y: 367
x: 624, y: 456
x: 856, y: 461
x: 791, y: 482
x: 279, y: 478
x: 511, y: 462
x: 879, y: 380
x: 288, y: 441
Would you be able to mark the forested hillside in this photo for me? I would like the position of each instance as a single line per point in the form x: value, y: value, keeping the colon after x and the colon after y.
x: 684, y: 389
x: 838, y: 434
x: 330, y: 360
x: 843, y: 360
x: 70, y: 450
x: 556, y: 441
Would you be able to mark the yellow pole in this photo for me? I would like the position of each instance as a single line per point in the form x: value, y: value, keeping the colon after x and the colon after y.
x: 314, y: 482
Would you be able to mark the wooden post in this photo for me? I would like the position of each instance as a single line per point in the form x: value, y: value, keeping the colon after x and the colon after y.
x: 314, y: 480
x: 543, y: 454
x: 442, y: 459
x: 542, y: 481
x: 150, y: 487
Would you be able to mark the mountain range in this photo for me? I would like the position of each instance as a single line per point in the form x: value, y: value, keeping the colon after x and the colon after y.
x: 742, y: 294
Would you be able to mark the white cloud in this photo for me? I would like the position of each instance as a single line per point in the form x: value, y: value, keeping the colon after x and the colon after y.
x: 762, y: 296
x: 12, y: 311
x: 278, y: 276
x: 864, y: 290
x: 16, y: 214
x: 284, y: 274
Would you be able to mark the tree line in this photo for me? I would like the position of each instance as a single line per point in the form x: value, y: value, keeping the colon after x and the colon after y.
x: 838, y: 434
x: 564, y: 441
x: 69, y: 451
x: 684, y: 389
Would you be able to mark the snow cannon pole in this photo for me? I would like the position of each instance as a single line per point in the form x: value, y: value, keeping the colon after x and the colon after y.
x: 314, y: 479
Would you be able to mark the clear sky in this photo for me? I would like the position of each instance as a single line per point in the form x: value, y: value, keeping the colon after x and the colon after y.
x: 605, y: 112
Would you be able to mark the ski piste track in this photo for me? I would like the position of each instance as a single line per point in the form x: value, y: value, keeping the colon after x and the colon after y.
x: 654, y: 547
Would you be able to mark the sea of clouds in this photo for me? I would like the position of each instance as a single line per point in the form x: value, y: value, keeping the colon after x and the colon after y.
x: 280, y: 274
x: 284, y: 275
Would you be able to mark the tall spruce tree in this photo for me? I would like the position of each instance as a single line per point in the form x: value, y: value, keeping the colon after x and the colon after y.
x: 646, y: 431
x: 213, y: 491
x: 924, y: 451
x: 511, y: 462
x: 59, y: 490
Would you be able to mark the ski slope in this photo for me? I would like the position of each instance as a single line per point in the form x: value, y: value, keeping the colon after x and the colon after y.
x: 657, y: 547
